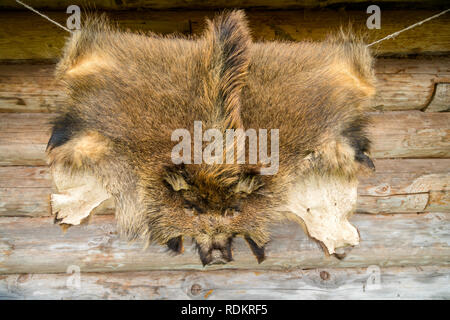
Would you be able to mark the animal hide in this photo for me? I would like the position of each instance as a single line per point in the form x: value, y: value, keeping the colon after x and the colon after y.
x: 128, y: 94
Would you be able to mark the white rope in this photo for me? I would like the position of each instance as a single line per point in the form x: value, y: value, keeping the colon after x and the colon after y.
x: 393, y: 35
x: 42, y: 15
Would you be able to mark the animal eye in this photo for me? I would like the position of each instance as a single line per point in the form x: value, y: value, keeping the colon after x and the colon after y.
x: 236, y: 208
x: 232, y: 211
x: 193, y: 207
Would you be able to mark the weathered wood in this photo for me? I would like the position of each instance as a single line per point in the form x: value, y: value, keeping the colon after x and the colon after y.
x: 406, y: 185
x: 406, y: 84
x: 23, y: 138
x: 403, y: 84
x: 29, y: 88
x: 36, y: 245
x: 25, y: 35
x: 25, y: 202
x: 439, y: 199
x: 428, y: 282
x: 25, y: 177
x: 34, y: 202
x: 406, y: 176
x: 412, y: 134
x: 399, y: 185
x: 217, y: 4
x: 440, y: 100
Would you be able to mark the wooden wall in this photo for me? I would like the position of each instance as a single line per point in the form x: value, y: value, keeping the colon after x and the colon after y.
x: 403, y: 209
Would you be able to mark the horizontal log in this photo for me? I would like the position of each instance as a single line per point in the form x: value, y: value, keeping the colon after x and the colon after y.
x: 36, y: 245
x: 428, y: 282
x: 23, y: 138
x: 392, y: 176
x: 218, y: 4
x: 410, y: 134
x: 408, y: 84
x: 29, y: 88
x: 25, y: 202
x: 26, y: 35
x: 402, y: 84
x: 405, y: 134
x: 25, y: 177
x: 35, y: 202
x: 439, y: 199
x: 440, y: 101
x: 399, y: 185
x: 406, y: 176
x: 406, y: 185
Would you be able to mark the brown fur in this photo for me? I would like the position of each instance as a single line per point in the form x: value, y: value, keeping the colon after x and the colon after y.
x: 128, y: 92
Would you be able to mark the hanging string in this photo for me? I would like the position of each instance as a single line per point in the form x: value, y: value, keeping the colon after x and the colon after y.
x: 43, y: 15
x: 393, y: 35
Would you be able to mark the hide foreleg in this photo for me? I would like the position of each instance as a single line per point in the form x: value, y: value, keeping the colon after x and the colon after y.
x: 72, y: 158
x: 323, y: 204
x: 78, y: 194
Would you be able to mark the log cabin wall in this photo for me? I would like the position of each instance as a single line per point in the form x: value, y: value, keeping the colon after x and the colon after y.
x: 403, y: 210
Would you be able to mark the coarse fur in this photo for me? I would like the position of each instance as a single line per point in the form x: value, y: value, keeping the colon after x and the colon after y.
x: 128, y: 92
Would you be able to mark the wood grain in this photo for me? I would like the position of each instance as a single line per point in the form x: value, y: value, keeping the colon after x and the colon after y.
x: 440, y: 100
x: 29, y: 88
x: 411, y: 134
x: 406, y: 84
x: 36, y: 245
x: 26, y: 36
x: 23, y: 138
x: 403, y: 176
x: 403, y: 84
x: 406, y: 185
x: 402, y: 134
x: 429, y: 282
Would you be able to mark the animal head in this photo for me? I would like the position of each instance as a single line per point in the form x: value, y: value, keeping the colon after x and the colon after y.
x: 213, y: 205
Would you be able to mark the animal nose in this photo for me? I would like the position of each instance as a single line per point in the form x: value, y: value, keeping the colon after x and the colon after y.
x: 217, y: 253
x: 217, y: 257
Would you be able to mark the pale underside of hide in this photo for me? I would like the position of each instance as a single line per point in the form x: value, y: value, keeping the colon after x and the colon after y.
x: 324, y: 206
x: 78, y: 195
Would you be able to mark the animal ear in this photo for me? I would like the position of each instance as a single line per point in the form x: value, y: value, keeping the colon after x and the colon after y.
x: 176, y: 181
x: 228, y: 40
x: 364, y: 160
x: 85, y: 51
x: 248, y: 184
x: 176, y: 245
